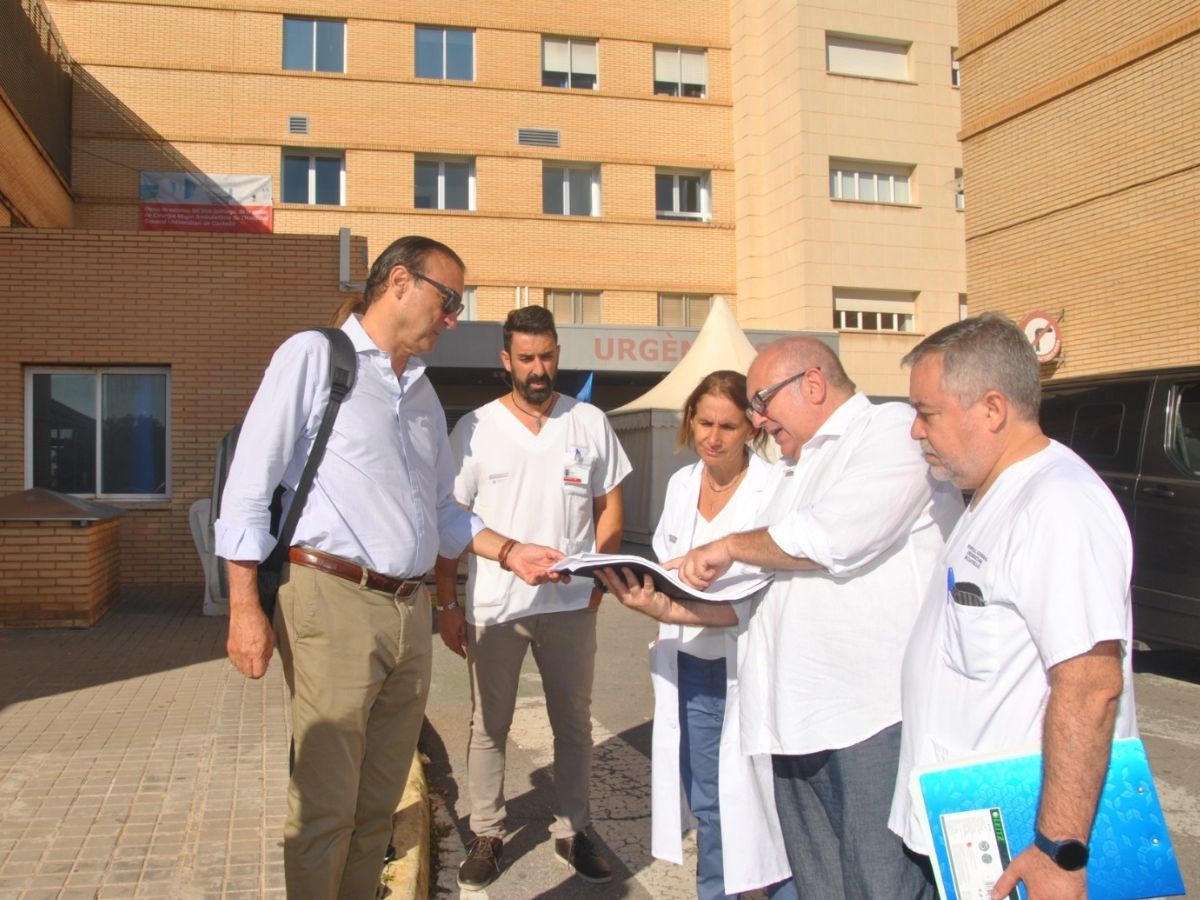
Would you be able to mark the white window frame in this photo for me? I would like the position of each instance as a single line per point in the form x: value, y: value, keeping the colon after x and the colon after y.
x: 880, y: 177
x: 312, y: 156
x: 593, y: 170
x: 570, y: 54
x: 960, y: 197
x: 577, y: 299
x: 860, y: 56
x: 662, y: 56
x: 313, y: 20
x: 441, y: 188
x: 866, y: 309
x: 97, y: 372
x: 445, y: 56
x: 955, y: 70
x: 469, y: 299
x: 705, y: 212
x: 685, y: 301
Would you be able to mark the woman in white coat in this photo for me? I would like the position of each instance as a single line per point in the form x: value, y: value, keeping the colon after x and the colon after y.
x: 699, y: 774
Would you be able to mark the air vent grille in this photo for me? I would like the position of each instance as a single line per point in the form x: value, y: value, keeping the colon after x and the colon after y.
x: 297, y: 124
x: 537, y: 137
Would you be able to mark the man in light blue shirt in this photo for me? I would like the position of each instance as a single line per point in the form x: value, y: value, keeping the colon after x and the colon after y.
x: 353, y: 617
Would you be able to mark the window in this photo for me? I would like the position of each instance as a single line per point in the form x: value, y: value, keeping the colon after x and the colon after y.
x: 955, y: 74
x: 680, y: 73
x: 570, y: 190
x: 469, y: 308
x: 447, y: 53
x: 683, y: 310
x: 960, y: 199
x: 964, y: 310
x: 443, y: 183
x: 869, y: 182
x: 866, y: 57
x: 314, y: 178
x: 860, y: 309
x: 682, y: 195
x: 1184, y: 440
x: 99, y: 432
x: 314, y: 45
x: 569, y: 63
x: 574, y: 307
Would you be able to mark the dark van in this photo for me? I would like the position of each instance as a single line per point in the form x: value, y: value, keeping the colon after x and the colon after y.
x: 1141, y: 432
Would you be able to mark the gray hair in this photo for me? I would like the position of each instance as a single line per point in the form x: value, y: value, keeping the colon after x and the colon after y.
x: 984, y: 353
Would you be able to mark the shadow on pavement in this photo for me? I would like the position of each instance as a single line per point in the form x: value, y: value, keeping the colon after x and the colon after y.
x: 151, y: 628
x: 529, y: 814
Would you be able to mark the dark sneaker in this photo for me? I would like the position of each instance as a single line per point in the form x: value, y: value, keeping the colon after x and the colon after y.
x: 579, y: 853
x: 482, y: 865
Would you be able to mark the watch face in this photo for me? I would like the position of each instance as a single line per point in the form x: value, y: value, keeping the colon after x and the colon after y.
x: 1071, y: 855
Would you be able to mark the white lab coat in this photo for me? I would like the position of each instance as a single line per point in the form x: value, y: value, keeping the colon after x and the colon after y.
x: 751, y: 841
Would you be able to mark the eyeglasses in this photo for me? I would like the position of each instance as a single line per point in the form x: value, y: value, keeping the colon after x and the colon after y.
x: 760, y: 399
x: 452, y: 303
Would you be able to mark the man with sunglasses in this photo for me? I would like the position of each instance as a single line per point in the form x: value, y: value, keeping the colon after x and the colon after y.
x: 854, y: 524
x: 352, y: 619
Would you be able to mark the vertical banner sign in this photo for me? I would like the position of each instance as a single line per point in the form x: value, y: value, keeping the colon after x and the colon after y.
x: 183, y: 201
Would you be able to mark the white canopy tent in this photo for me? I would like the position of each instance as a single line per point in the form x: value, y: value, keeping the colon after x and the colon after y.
x: 649, y: 425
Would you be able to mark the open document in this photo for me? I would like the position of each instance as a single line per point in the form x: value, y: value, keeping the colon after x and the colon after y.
x: 737, y: 584
x: 980, y: 814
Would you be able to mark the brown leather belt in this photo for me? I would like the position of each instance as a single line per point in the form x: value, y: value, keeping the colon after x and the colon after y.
x: 352, y: 571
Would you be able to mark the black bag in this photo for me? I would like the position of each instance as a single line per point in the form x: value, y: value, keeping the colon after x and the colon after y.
x: 342, y: 371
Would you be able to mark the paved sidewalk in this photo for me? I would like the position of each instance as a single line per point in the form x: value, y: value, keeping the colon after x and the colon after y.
x: 134, y: 760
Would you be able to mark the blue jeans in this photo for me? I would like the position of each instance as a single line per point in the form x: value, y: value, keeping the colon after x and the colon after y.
x: 701, y: 713
x: 833, y: 809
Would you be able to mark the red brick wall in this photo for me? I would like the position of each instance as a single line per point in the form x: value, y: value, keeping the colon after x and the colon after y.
x: 211, y: 307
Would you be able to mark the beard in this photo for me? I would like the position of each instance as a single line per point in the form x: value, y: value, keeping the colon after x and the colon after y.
x: 535, y: 390
x: 939, y: 468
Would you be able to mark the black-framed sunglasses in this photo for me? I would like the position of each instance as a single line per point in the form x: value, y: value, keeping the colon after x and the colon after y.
x: 760, y: 399
x: 452, y: 302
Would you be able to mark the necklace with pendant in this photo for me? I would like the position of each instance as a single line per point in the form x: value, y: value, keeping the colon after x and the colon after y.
x: 536, y: 416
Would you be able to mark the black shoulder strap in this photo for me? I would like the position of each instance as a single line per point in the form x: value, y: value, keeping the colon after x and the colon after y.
x: 343, y: 367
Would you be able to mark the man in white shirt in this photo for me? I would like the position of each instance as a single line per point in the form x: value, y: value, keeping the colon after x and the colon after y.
x: 1024, y: 636
x: 545, y: 465
x: 352, y: 618
x: 854, y: 523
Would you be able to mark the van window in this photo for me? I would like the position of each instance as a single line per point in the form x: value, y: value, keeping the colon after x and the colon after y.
x: 1185, y: 430
x: 1100, y: 422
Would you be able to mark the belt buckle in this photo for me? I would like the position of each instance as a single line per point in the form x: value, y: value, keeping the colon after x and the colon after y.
x: 405, y: 590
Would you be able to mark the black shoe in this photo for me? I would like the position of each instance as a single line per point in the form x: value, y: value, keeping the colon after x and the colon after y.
x: 579, y: 853
x: 482, y: 865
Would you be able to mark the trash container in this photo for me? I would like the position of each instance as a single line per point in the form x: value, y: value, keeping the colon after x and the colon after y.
x: 60, y: 560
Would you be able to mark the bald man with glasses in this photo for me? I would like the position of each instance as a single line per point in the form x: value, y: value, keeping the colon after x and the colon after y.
x: 854, y: 524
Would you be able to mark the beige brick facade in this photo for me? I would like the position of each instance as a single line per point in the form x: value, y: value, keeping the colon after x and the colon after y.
x: 1081, y: 128
x: 210, y: 308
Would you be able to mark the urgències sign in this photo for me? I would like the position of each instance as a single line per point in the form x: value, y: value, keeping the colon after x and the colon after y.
x: 186, y: 201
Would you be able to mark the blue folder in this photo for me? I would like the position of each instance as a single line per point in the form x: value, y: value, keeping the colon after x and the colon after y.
x: 981, y: 814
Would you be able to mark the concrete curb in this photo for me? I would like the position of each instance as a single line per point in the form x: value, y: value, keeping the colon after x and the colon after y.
x: 407, y: 876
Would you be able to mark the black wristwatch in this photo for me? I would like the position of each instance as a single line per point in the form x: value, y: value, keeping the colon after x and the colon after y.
x: 1070, y: 855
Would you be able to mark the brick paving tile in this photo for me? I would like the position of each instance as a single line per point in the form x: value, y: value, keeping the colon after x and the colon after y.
x: 135, y: 762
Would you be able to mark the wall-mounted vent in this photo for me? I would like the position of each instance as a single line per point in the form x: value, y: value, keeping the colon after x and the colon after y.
x: 297, y: 124
x: 537, y: 137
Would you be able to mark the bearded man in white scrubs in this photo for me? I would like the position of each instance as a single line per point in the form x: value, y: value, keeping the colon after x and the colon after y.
x: 548, y: 465
x: 1024, y: 636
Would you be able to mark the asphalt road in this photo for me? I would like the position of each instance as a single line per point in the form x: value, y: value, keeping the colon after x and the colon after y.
x: 1168, y: 700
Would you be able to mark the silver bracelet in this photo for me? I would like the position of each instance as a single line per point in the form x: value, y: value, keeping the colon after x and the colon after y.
x: 453, y: 604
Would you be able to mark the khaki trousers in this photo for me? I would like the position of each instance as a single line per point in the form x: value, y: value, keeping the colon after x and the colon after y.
x: 564, y: 648
x: 357, y: 664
